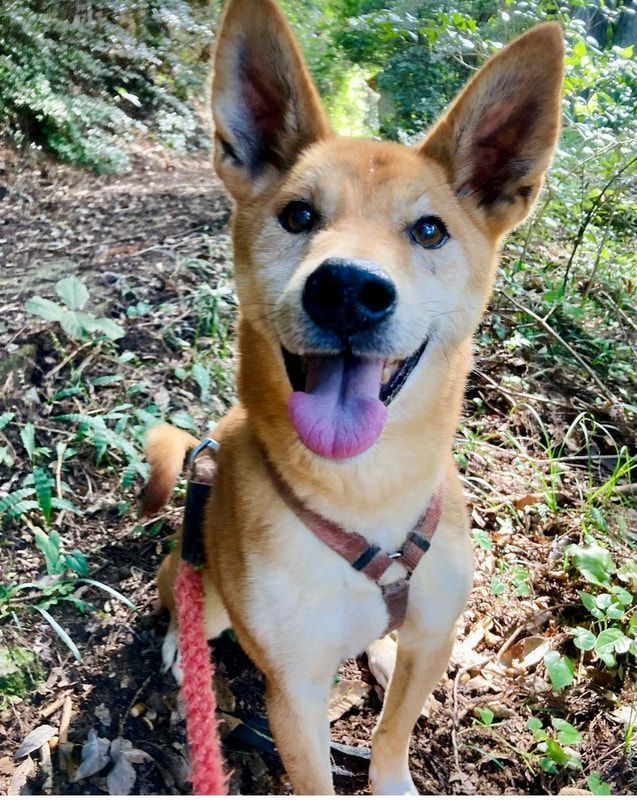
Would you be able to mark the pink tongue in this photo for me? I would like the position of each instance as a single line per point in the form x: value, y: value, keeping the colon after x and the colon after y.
x: 339, y: 414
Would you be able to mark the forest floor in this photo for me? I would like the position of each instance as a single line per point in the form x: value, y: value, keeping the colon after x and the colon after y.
x: 545, y: 456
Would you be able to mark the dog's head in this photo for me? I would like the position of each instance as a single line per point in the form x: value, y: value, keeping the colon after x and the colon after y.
x: 356, y: 260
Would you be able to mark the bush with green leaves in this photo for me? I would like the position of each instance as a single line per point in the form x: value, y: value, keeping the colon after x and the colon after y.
x: 81, y: 80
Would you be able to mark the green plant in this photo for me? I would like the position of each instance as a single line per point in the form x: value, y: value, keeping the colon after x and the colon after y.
x: 64, y: 573
x: 612, y: 632
x: 554, y: 745
x: 76, y: 323
x: 81, y: 81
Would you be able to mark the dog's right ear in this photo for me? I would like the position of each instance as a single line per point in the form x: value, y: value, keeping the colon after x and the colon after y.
x: 265, y: 107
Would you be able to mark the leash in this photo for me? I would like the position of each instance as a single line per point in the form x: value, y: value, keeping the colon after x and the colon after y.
x: 208, y: 775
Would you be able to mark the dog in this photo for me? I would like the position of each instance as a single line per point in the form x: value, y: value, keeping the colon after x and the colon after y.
x: 362, y: 270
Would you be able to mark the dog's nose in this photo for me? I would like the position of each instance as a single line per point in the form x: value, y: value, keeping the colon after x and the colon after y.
x: 345, y: 298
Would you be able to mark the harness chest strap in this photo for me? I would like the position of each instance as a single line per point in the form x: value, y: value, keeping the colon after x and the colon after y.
x: 365, y: 557
x: 353, y: 547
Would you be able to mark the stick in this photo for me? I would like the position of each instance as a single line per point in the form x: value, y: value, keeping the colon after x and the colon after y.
x: 47, y: 767
x: 606, y: 392
x: 49, y: 710
x: 63, y: 734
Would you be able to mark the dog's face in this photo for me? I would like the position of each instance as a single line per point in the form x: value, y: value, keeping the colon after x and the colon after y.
x: 357, y: 259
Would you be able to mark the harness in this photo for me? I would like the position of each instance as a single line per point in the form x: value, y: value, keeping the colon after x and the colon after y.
x: 208, y: 773
x: 353, y: 547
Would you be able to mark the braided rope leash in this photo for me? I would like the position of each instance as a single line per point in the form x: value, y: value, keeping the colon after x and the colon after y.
x: 208, y: 774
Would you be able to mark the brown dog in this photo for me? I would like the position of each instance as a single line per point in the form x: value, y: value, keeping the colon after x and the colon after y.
x: 362, y: 270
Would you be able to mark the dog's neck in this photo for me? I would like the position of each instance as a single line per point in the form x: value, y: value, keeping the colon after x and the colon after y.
x: 391, y: 480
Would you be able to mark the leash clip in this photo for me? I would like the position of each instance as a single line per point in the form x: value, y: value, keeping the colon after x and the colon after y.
x: 397, y: 554
x: 213, y: 444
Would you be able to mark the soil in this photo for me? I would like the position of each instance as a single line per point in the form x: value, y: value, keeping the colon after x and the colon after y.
x: 145, y: 244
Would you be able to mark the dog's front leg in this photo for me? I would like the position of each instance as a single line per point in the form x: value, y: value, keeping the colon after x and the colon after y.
x: 297, y: 712
x: 419, y: 666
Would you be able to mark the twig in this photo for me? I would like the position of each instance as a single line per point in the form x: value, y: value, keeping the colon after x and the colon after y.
x: 510, y: 393
x: 49, y: 710
x: 627, y: 488
x: 66, y: 360
x: 585, y: 222
x: 124, y: 717
x: 549, y: 329
x: 46, y: 766
x: 620, y: 311
x: 63, y: 735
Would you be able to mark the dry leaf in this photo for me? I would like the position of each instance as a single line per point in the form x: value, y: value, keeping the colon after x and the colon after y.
x: 21, y: 775
x: 95, y: 756
x: 381, y: 657
x: 346, y: 694
x: 624, y: 714
x: 121, y: 779
x: 35, y: 740
x: 103, y: 714
x: 525, y: 653
x: 527, y: 500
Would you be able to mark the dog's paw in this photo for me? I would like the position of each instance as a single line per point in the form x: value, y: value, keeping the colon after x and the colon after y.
x: 391, y: 784
x: 170, y: 656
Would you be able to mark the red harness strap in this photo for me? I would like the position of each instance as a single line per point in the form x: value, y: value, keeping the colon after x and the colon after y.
x: 363, y: 556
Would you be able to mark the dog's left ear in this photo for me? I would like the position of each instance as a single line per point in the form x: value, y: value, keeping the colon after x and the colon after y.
x: 496, y: 141
x: 265, y: 107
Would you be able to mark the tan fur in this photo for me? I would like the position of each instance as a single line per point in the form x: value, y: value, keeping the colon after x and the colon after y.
x: 296, y: 606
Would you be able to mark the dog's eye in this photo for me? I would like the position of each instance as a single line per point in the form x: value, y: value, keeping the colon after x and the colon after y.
x: 298, y: 217
x: 429, y: 232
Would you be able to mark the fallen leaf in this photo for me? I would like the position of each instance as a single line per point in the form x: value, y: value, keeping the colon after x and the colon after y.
x: 21, y: 775
x: 381, y: 657
x: 625, y: 714
x: 525, y: 653
x: 103, y: 714
x: 527, y: 500
x: 352, y: 751
x: 121, y: 779
x: 346, y: 694
x: 35, y: 740
x: 95, y: 756
x: 124, y: 748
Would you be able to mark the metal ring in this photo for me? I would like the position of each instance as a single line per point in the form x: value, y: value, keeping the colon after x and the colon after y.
x: 213, y: 444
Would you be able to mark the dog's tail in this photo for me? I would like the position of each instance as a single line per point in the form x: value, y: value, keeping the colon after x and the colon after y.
x: 166, y: 448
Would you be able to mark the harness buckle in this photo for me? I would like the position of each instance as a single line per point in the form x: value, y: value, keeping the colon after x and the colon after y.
x: 397, y: 554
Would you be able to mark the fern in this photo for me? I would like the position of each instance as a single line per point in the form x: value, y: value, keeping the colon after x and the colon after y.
x: 43, y: 483
x: 9, y: 501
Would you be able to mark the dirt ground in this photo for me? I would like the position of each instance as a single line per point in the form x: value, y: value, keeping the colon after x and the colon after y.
x: 148, y: 241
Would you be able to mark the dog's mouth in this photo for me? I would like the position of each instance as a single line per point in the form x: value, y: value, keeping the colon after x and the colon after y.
x: 338, y: 405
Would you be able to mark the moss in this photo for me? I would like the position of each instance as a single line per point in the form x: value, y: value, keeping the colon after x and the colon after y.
x: 19, y: 673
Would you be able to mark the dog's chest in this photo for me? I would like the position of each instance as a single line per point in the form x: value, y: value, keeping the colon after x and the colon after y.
x: 300, y: 592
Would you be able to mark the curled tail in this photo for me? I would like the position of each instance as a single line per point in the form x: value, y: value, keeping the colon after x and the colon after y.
x: 166, y: 448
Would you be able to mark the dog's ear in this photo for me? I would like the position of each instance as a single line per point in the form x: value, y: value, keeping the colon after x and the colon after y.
x: 265, y: 107
x: 497, y: 138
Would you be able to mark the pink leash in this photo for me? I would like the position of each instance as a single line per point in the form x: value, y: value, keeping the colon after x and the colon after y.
x: 208, y: 774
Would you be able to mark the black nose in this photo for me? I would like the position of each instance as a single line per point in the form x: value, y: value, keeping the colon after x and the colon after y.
x: 344, y: 298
